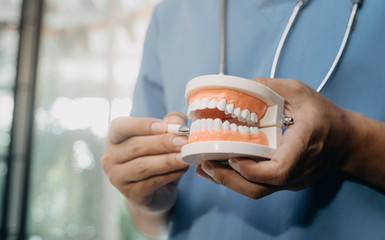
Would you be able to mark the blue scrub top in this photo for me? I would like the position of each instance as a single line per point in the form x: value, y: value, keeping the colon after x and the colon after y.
x: 183, y: 42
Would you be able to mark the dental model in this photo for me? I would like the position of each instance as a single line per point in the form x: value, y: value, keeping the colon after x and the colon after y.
x: 231, y: 117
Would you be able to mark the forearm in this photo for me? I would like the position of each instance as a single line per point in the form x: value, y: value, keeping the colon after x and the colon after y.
x: 366, y: 150
x: 152, y: 224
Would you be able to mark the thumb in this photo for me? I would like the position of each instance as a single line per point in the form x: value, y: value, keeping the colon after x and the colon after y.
x: 175, y: 118
x: 286, y: 88
x: 276, y: 84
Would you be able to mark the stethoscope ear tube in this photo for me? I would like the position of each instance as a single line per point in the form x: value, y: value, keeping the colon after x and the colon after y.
x: 222, y: 50
x: 358, y: 2
x: 300, y: 4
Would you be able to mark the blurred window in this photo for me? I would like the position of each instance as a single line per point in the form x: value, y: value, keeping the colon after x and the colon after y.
x: 10, y: 11
x: 88, y: 62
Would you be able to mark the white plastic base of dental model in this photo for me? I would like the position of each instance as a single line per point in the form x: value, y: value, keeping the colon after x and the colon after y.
x: 197, y: 152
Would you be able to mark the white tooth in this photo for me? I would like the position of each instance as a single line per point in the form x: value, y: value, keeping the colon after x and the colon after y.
x: 196, y: 104
x: 233, y: 127
x: 193, y: 126
x: 217, y: 124
x: 209, y: 123
x: 254, y: 117
x: 190, y: 109
x: 245, y: 114
x: 222, y: 104
x: 229, y: 108
x: 202, y: 104
x: 244, y: 129
x: 236, y: 112
x: 212, y: 104
x: 203, y: 124
x: 226, y: 125
x: 249, y: 121
x: 254, y: 130
x: 198, y: 125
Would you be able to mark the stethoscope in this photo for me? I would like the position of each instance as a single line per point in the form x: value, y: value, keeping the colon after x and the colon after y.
x: 298, y: 7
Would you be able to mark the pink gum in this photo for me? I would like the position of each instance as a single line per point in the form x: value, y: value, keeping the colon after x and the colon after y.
x: 242, y: 100
x: 228, y: 135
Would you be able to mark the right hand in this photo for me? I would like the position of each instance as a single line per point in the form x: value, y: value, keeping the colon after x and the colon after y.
x: 143, y: 161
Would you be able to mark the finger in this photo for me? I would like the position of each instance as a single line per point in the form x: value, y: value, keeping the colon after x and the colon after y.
x: 280, y: 86
x: 282, y: 167
x: 232, y: 180
x: 149, y: 166
x: 202, y: 173
x: 175, y: 118
x: 125, y: 127
x: 140, y: 146
x: 142, y: 189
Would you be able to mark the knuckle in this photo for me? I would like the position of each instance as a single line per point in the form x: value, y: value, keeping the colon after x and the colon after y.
x: 104, y: 161
x: 112, y: 177
x: 166, y: 141
x: 282, y: 178
x: 254, y: 194
x: 115, y: 124
x: 220, y: 179
x: 115, y: 127
x: 257, y: 193
x: 248, y: 174
x: 140, y: 168
x: 296, y: 86
x: 126, y: 190
x: 135, y: 148
x: 170, y: 160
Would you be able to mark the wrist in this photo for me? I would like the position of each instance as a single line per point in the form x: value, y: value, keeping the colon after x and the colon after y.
x: 365, y: 150
x: 153, y: 224
x: 352, y: 143
x: 338, y: 144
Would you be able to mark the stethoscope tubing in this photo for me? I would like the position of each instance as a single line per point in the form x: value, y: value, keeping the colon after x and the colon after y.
x: 298, y: 7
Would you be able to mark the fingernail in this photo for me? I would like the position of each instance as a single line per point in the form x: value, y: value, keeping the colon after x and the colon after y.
x: 202, y: 174
x: 178, y: 157
x: 179, y: 141
x: 159, y: 127
x: 207, y: 168
x: 233, y: 162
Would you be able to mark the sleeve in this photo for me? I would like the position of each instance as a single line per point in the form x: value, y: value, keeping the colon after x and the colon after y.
x: 148, y: 98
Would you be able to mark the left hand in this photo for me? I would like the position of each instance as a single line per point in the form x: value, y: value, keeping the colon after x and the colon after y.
x: 313, y: 145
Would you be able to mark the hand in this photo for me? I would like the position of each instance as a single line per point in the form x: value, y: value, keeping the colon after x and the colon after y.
x: 313, y: 145
x: 143, y: 161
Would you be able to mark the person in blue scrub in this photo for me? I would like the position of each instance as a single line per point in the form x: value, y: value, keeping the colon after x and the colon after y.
x: 327, y: 177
